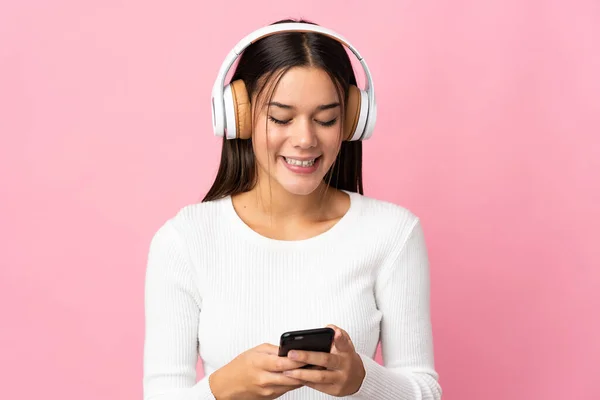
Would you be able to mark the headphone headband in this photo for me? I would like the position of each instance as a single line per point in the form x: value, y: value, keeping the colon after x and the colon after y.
x: 218, y: 104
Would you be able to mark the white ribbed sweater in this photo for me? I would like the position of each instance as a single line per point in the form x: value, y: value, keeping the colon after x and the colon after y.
x: 215, y: 286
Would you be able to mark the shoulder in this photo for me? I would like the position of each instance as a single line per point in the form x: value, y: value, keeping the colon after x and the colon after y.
x: 387, y: 220
x: 385, y: 212
x: 190, y: 223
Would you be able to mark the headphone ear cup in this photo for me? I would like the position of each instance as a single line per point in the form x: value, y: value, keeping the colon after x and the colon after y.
x: 242, y: 109
x: 352, y: 112
x: 356, y: 111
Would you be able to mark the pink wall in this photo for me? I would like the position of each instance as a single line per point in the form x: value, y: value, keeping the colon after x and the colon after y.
x: 489, y: 130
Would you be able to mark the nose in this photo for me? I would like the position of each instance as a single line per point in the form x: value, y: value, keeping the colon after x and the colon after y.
x: 304, y: 135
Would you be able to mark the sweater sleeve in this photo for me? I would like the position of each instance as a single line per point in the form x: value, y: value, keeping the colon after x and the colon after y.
x: 172, y: 310
x: 402, y: 295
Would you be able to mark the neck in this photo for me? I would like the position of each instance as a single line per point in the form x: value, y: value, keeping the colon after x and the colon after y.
x: 278, y: 203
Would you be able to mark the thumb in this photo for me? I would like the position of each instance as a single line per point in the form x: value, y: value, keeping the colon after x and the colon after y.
x: 267, y: 348
x: 341, y: 340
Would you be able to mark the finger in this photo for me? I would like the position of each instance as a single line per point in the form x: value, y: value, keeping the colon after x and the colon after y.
x: 343, y: 344
x: 321, y: 359
x: 339, y: 332
x: 276, y: 391
x: 313, y: 376
x: 342, y: 341
x: 279, y: 391
x: 275, y: 363
x: 267, y: 348
x: 327, y: 388
x: 280, y: 364
x: 278, y: 379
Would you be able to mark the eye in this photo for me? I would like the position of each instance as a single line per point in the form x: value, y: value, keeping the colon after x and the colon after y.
x: 278, y: 122
x: 328, y: 123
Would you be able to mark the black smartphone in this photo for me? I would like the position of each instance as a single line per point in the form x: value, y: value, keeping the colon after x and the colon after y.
x: 319, y: 339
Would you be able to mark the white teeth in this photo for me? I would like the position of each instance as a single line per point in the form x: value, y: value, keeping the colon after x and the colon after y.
x: 307, y: 163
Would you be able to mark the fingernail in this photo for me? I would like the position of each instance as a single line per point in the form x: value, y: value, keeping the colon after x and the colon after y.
x: 292, y: 354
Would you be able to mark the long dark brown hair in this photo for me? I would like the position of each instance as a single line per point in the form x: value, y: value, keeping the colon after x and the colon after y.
x: 276, y: 54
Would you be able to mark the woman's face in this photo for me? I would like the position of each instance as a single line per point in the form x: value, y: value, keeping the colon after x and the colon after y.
x: 296, y: 138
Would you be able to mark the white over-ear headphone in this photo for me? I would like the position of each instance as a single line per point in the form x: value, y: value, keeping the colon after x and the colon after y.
x: 231, y: 105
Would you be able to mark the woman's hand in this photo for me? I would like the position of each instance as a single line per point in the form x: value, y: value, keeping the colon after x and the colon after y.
x: 255, y: 374
x: 344, y: 370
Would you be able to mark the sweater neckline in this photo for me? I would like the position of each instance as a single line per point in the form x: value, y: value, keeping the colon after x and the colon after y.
x: 336, y: 230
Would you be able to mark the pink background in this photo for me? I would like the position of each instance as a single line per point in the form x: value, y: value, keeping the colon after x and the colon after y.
x: 489, y: 123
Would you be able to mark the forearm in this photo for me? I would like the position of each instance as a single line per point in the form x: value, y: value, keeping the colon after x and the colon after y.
x: 158, y: 390
x: 385, y: 383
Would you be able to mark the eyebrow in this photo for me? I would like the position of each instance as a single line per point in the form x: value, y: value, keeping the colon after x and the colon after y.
x: 288, y: 107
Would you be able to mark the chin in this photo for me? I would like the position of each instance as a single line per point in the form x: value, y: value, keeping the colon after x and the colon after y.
x: 300, y: 190
x: 297, y: 183
x: 301, y: 187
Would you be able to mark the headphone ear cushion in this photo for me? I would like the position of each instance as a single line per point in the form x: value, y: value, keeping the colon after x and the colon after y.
x: 242, y: 108
x: 353, y: 105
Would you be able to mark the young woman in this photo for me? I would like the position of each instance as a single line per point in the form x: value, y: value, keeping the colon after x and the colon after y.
x: 286, y: 240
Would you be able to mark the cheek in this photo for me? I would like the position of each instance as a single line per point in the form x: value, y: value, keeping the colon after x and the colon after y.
x: 259, y: 139
x: 266, y: 142
x: 331, y: 145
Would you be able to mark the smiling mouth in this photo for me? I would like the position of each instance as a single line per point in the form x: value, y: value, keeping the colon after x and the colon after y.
x: 301, y: 163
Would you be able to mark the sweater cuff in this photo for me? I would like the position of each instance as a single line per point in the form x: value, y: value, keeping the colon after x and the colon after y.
x: 379, y: 383
x: 202, y: 390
